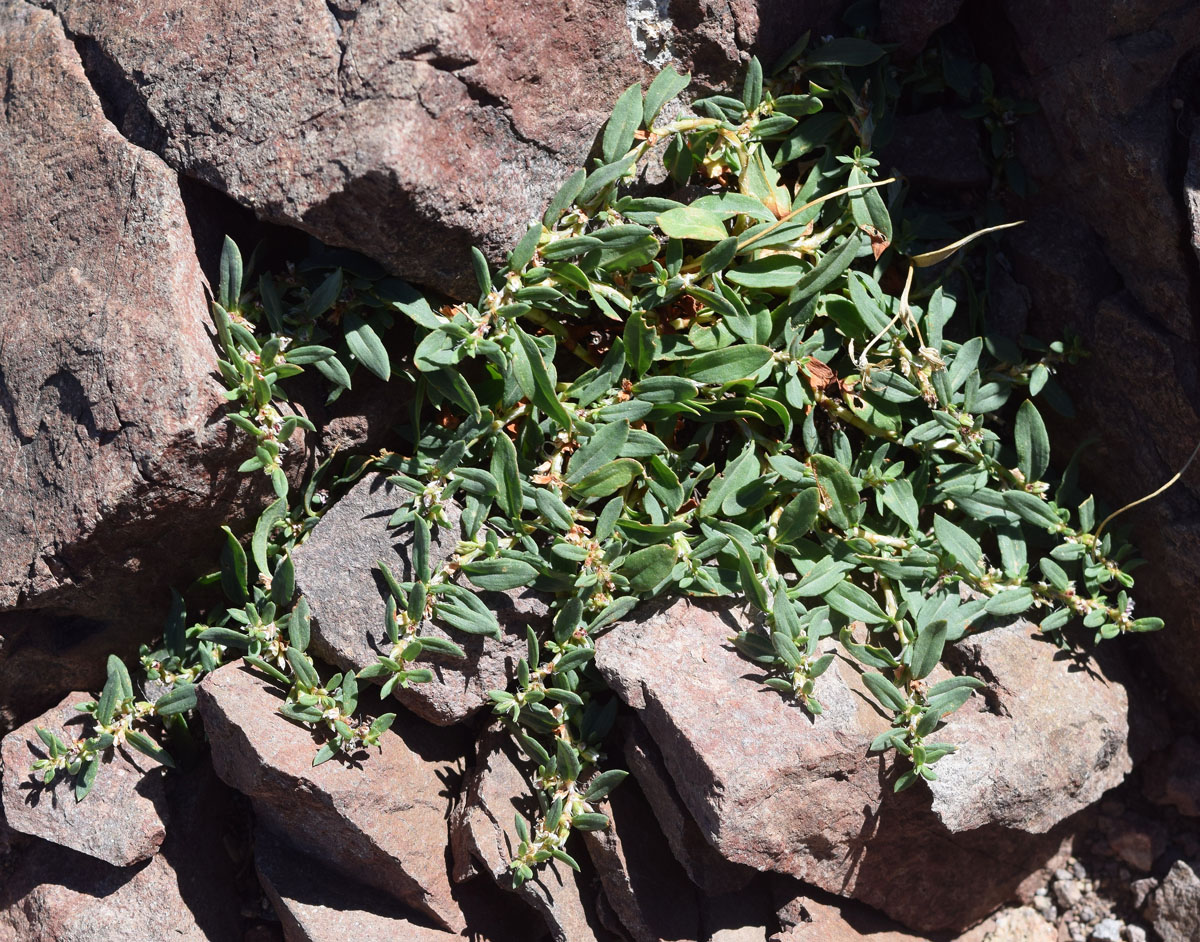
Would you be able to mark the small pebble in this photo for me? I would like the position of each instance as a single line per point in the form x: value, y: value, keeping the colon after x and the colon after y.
x: 1108, y: 930
x: 1078, y: 869
x: 1135, y: 934
x: 1087, y: 915
x: 1067, y: 893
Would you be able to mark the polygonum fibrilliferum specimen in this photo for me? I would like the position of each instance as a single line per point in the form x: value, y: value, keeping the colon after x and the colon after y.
x: 722, y: 390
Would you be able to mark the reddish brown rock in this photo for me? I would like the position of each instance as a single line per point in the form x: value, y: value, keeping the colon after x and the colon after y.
x: 774, y: 789
x: 379, y: 818
x: 482, y: 837
x: 315, y: 907
x: 706, y: 868
x: 645, y: 885
x: 1173, y: 777
x: 337, y: 570
x: 123, y: 819
x: 1174, y: 907
x: 111, y: 443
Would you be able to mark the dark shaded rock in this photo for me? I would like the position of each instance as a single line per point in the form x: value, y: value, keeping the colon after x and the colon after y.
x: 706, y: 868
x: 910, y: 23
x: 1137, y: 841
x: 1174, y: 907
x: 122, y: 821
x: 936, y: 147
x: 111, y: 442
x: 314, y: 907
x: 379, y: 818
x: 771, y: 788
x: 645, y: 885
x: 1113, y: 81
x: 481, y: 837
x: 187, y: 891
x: 1173, y: 777
x: 337, y: 571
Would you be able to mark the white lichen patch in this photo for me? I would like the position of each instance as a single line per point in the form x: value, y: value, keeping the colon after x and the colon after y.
x: 650, y: 27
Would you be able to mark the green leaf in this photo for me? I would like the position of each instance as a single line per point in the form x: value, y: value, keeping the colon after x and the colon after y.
x: 626, y: 119
x: 86, y: 777
x: 927, y: 649
x: 666, y: 85
x: 325, y: 753
x: 959, y: 545
x: 366, y: 346
x: 299, y: 629
x: 855, y: 603
x: 504, y: 470
x: 752, y: 86
x: 1033, y: 443
x: 798, y: 517
x: 729, y: 364
x: 1032, y: 509
x: 116, y: 668
x: 306, y: 674
x: 178, y: 700
x: 535, y: 378
x: 604, y: 446
x: 233, y: 569
x: 147, y: 746
x: 845, y: 51
x: 843, y: 511
x: 647, y: 567
x: 607, y: 479
x: 500, y: 574
x: 483, y: 274
x: 600, y: 786
x: 275, y: 512
x: 690, y: 222
x: 885, y: 691
x: 564, y: 197
x: 599, y: 180
x: 898, y: 497
x: 589, y: 821
x: 229, y: 289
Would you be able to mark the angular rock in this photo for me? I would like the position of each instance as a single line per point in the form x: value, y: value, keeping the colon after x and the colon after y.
x: 812, y: 916
x: 706, y: 868
x: 187, y: 891
x: 481, y: 835
x: 61, y: 895
x: 1174, y: 908
x: 937, y: 147
x: 644, y: 884
x: 314, y: 907
x: 111, y: 444
x: 1047, y: 739
x: 337, y: 571
x: 1174, y: 778
x: 1137, y: 841
x: 379, y: 818
x: 122, y: 821
x: 774, y: 789
x: 910, y: 23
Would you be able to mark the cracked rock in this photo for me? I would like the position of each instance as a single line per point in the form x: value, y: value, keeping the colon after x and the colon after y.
x: 775, y: 789
x: 378, y: 817
x: 482, y: 837
x: 337, y: 571
x: 123, y: 819
x: 110, y: 436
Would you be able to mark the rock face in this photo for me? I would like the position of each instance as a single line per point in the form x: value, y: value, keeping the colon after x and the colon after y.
x: 1174, y: 908
x: 775, y: 790
x: 186, y: 891
x: 123, y: 819
x: 111, y: 440
x: 313, y: 907
x: 376, y: 817
x: 1108, y: 254
x: 481, y: 835
x: 378, y: 127
x: 337, y: 570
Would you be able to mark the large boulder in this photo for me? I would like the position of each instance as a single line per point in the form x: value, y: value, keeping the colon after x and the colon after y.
x: 337, y: 571
x: 111, y: 441
x: 1108, y: 254
x: 379, y: 818
x: 774, y: 789
x: 381, y: 126
x: 123, y: 819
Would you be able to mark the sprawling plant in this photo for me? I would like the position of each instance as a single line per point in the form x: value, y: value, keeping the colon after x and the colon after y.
x: 713, y: 393
x: 743, y: 383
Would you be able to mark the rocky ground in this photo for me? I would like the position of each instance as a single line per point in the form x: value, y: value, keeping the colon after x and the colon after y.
x: 133, y: 139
